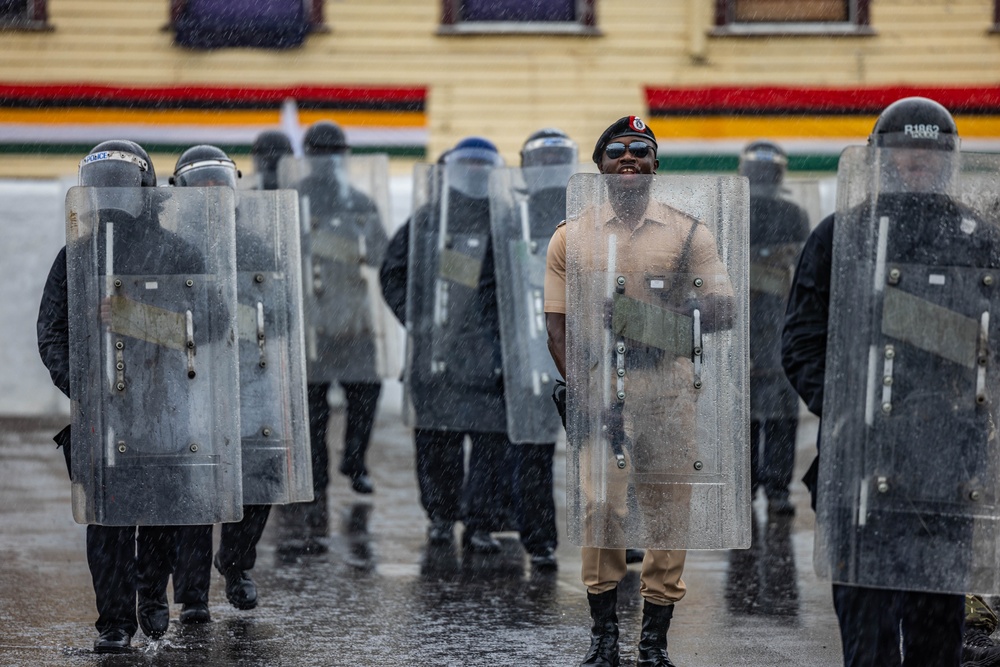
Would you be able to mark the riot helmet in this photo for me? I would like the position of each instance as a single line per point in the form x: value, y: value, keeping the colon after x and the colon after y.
x: 764, y: 163
x: 548, y: 146
x: 468, y: 165
x: 324, y: 138
x: 326, y: 148
x: 118, y: 163
x: 915, y: 144
x: 268, y: 149
x: 205, y: 166
x: 123, y: 167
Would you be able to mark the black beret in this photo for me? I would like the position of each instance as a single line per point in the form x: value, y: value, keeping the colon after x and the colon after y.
x: 626, y: 126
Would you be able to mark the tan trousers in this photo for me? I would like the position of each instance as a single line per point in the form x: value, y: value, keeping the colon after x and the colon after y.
x: 663, y: 509
x: 660, y: 579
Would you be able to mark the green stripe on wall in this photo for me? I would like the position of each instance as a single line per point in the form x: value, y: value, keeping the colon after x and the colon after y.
x: 729, y: 163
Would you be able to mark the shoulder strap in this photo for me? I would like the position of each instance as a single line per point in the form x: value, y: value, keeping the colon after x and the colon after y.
x: 683, y: 263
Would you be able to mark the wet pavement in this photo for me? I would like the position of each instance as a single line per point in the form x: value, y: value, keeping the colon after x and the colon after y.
x: 378, y: 596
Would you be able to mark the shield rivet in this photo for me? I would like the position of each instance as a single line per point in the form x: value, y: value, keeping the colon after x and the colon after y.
x: 621, y: 280
x: 698, y: 282
x: 120, y: 386
x: 194, y: 447
x: 697, y: 384
x: 698, y: 465
x: 621, y: 396
x: 259, y: 278
x: 882, y: 485
x: 118, y: 283
x: 621, y: 372
x: 894, y: 276
x: 890, y: 352
x: 189, y: 282
x: 120, y: 366
x: 119, y: 345
x: 974, y: 496
x: 121, y: 446
x: 887, y: 380
x: 887, y: 408
x: 987, y: 280
x: 620, y: 348
x: 266, y: 432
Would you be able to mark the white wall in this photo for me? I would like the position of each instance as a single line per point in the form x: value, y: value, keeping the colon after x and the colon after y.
x: 33, y: 229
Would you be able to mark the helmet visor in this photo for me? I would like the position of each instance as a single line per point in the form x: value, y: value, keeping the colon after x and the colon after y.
x: 548, y: 151
x: 112, y: 169
x: 916, y: 170
x: 207, y: 173
x: 468, y: 170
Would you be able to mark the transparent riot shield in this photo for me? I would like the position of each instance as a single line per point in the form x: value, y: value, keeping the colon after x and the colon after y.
x: 909, y: 468
x: 274, y: 424
x: 656, y: 356
x: 525, y: 207
x: 454, y: 373
x: 343, y: 207
x: 779, y: 226
x: 153, y: 364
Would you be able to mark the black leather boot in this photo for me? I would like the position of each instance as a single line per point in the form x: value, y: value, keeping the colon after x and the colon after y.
x: 604, y: 632
x: 653, y: 640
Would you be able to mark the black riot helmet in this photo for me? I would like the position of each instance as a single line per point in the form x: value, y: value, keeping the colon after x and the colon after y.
x: 548, y: 146
x: 764, y: 163
x: 915, y: 147
x: 118, y: 163
x: 324, y: 138
x: 205, y: 166
x: 915, y: 122
x: 268, y: 149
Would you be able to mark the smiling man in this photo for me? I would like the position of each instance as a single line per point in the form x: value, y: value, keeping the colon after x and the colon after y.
x: 634, y: 376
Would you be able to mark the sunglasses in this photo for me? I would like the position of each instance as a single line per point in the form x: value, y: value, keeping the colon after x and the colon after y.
x: 639, y: 149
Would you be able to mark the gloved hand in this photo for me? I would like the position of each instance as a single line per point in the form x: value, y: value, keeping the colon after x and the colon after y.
x: 559, y: 398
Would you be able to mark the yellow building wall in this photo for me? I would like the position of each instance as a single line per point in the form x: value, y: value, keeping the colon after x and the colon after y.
x: 506, y: 86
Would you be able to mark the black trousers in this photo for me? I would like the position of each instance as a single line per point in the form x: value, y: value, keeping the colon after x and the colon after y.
x: 534, y: 503
x: 123, y: 561
x: 237, y: 550
x: 772, y: 455
x: 361, y: 403
x: 447, y: 494
x: 873, y: 620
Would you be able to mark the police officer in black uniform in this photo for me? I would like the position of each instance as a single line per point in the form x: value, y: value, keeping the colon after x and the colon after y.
x: 124, y: 560
x: 209, y: 166
x: 329, y: 193
x: 778, y: 228
x: 534, y: 504
x: 925, y: 227
x: 476, y: 390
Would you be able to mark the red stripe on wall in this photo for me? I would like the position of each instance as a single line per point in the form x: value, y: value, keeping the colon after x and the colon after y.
x: 264, y: 96
x: 779, y: 99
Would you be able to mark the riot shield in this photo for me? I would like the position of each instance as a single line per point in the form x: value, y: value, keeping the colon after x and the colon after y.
x: 656, y: 356
x: 153, y: 365
x: 779, y: 226
x: 525, y: 207
x: 454, y: 373
x: 909, y: 472
x: 274, y: 424
x: 343, y: 207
